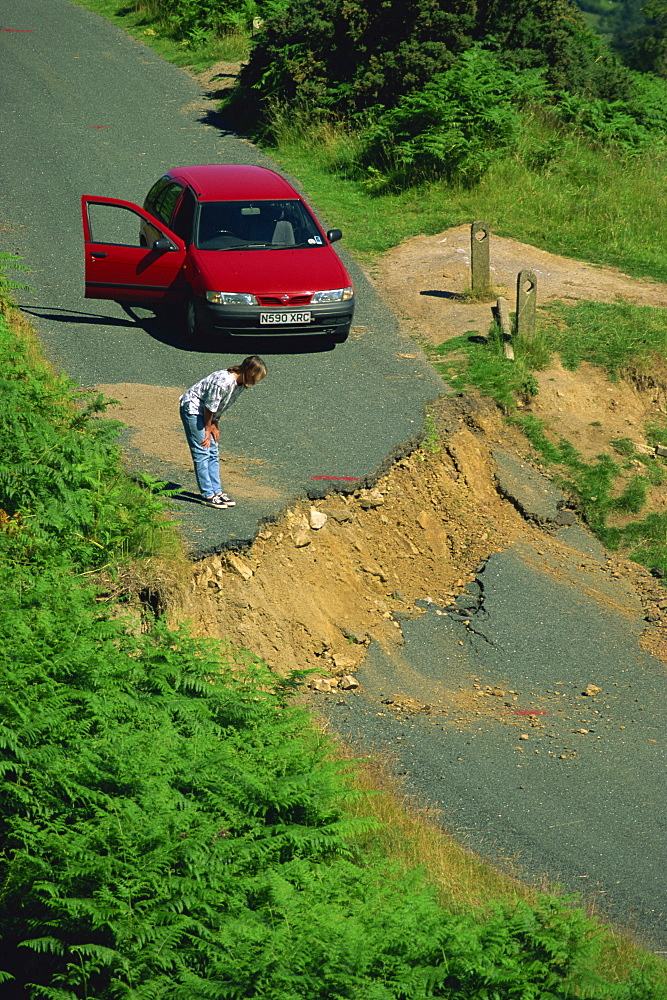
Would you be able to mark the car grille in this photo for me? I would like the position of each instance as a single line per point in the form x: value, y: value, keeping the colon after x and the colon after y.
x: 277, y: 300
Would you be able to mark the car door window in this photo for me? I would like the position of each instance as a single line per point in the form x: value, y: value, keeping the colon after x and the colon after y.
x: 154, y: 194
x: 115, y: 225
x: 167, y: 201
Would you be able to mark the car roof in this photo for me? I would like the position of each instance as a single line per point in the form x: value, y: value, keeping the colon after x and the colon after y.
x: 233, y: 182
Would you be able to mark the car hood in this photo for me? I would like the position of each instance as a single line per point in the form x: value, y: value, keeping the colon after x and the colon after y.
x: 264, y: 272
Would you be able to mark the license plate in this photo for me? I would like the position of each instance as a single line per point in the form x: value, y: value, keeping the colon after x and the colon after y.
x: 280, y: 318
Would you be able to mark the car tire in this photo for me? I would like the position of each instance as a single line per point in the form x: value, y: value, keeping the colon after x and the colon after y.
x: 190, y: 319
x: 197, y: 328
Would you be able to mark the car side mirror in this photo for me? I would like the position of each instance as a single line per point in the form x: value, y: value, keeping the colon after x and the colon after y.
x: 333, y: 235
x: 162, y: 244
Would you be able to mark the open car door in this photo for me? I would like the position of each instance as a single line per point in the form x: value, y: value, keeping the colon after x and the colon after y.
x: 118, y: 266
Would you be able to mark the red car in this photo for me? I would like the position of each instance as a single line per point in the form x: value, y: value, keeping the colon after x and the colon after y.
x: 236, y: 246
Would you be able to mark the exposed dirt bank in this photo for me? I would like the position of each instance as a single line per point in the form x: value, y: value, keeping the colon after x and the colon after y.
x: 312, y: 589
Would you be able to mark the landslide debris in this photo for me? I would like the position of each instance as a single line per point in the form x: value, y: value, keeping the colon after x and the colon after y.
x: 326, y: 577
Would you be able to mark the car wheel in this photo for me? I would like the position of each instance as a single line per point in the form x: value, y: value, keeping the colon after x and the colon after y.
x: 191, y: 321
x: 197, y: 328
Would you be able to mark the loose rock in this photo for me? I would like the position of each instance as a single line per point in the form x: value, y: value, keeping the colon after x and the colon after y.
x: 238, y: 565
x: 316, y: 519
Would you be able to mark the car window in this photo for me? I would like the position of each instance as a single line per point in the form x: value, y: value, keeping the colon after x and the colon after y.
x: 155, y: 193
x: 241, y: 225
x: 167, y: 200
x: 116, y: 225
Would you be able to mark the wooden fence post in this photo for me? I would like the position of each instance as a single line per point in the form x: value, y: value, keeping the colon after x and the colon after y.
x: 479, y: 258
x: 526, y: 301
x: 503, y: 318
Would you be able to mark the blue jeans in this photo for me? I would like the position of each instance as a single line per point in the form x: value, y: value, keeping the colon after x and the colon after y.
x: 206, y: 461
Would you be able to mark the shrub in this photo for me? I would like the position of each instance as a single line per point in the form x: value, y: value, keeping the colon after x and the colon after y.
x: 354, y: 56
x: 456, y: 125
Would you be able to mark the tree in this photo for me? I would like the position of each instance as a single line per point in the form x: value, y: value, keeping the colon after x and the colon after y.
x: 357, y: 54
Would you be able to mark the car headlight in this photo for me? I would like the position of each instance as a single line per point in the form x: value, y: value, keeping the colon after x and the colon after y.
x: 231, y: 298
x: 333, y: 295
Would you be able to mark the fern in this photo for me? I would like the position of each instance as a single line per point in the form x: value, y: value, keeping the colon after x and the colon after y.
x: 170, y: 824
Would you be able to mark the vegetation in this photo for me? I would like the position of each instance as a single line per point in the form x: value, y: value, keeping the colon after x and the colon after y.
x: 193, y: 43
x: 624, y: 340
x: 60, y: 480
x: 635, y: 29
x: 169, y: 824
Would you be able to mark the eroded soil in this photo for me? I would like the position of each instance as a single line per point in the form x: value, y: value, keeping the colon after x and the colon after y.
x: 322, y: 580
x: 309, y: 597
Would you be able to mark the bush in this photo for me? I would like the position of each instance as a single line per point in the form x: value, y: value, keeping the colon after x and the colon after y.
x: 169, y: 827
x: 456, y: 125
x: 355, y: 56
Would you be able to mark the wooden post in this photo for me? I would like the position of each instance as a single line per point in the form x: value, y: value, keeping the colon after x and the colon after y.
x: 503, y: 318
x: 526, y: 301
x: 479, y: 258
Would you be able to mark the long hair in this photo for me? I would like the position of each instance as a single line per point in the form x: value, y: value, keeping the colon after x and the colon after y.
x: 251, y: 370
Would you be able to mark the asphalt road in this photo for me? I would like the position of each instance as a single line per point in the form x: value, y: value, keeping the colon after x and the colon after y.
x: 87, y: 110
x: 556, y: 784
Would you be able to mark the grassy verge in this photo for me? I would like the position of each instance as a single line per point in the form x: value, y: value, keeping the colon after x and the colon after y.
x: 196, y: 55
x: 625, y: 341
x: 410, y: 836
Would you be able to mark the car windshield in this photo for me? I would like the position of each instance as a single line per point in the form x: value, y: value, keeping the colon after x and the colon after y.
x: 256, y: 225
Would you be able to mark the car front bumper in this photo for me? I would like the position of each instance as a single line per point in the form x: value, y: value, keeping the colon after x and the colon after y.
x: 329, y: 319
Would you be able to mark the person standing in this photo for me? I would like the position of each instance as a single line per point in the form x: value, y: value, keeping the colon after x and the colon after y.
x: 201, y: 407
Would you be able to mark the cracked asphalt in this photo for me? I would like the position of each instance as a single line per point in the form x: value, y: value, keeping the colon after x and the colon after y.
x: 557, y: 783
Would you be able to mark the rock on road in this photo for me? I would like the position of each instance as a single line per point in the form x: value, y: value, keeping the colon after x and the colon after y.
x: 88, y: 110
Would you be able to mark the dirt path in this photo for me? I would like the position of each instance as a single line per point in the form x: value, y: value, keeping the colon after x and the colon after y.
x: 424, y: 277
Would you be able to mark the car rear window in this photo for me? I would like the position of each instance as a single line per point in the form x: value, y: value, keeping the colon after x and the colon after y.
x: 251, y: 225
x: 166, y: 201
x: 154, y: 193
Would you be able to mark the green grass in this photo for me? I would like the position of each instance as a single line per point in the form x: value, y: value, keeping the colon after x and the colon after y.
x: 583, y: 207
x: 196, y: 57
x: 623, y: 340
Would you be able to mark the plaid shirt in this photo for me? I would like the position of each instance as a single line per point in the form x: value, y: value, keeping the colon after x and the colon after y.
x: 216, y: 393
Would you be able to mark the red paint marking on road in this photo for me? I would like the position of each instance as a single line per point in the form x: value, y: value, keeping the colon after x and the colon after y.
x: 338, y: 479
x: 16, y: 29
x: 97, y: 126
x: 529, y: 711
